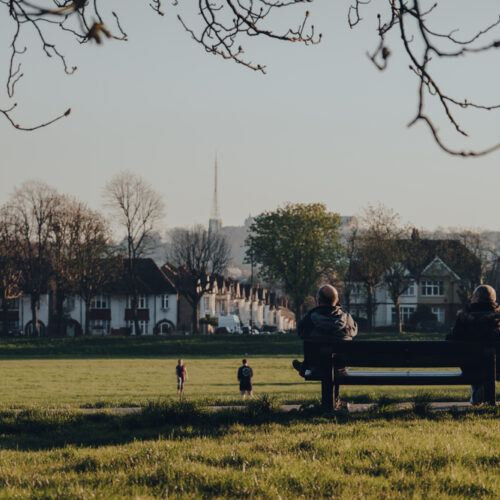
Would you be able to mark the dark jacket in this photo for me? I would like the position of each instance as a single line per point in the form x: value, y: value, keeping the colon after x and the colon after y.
x: 479, y: 321
x: 330, y: 321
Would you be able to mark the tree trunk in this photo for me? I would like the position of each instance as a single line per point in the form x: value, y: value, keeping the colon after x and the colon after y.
x: 34, y: 315
x: 60, y: 320
x: 134, y: 307
x: 369, y: 308
x: 5, y: 320
x: 399, y: 319
x: 298, y: 312
x: 196, y: 316
x: 347, y: 299
x: 87, y: 317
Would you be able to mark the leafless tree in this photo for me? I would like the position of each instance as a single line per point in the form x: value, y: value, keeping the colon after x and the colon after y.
x: 475, y: 264
x: 138, y: 209
x: 225, y: 25
x: 33, y: 208
x: 10, y: 276
x: 198, y: 256
x: 377, y: 257
x: 349, y: 243
x: 91, y: 256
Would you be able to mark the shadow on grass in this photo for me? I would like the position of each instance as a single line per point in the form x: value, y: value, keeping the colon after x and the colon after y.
x: 44, y: 430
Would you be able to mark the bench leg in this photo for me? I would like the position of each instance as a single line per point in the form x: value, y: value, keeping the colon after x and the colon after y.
x: 489, y: 378
x: 327, y: 384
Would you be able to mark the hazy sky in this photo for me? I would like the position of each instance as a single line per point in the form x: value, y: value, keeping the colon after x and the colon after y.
x: 323, y: 125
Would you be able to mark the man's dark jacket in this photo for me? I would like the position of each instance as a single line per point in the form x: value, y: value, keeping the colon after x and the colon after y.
x: 330, y: 321
x: 478, y: 321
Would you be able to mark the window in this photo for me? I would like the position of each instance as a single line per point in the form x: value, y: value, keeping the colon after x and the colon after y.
x: 13, y: 326
x: 69, y: 304
x: 142, y: 302
x: 356, y: 289
x: 439, y: 313
x: 432, y: 288
x: 12, y: 304
x: 99, y: 326
x: 206, y: 303
x: 406, y: 312
x: 410, y: 291
x: 164, y: 301
x: 100, y: 302
x: 143, y: 327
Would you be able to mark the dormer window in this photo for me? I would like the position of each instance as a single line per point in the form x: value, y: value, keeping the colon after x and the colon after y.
x: 431, y: 288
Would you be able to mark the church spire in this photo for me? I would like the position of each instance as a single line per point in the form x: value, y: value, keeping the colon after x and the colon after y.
x: 215, y: 222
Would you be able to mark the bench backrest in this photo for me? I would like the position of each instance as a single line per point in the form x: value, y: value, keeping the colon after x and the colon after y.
x: 403, y: 353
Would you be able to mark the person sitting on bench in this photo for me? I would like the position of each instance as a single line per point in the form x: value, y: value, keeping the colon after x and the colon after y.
x: 327, y: 319
x: 478, y: 321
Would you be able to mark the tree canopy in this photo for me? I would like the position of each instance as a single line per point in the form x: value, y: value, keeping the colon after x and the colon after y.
x: 297, y: 246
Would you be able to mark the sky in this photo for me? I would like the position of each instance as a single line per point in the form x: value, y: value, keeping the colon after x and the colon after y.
x: 324, y: 125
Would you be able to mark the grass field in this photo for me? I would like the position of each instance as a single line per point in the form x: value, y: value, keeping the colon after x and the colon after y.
x: 132, y: 371
x: 181, y: 449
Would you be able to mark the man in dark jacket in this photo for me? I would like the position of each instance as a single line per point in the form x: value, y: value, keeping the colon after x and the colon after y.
x: 478, y: 321
x: 327, y: 319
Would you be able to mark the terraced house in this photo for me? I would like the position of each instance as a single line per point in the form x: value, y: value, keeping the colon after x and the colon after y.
x: 442, y: 274
x: 110, y: 310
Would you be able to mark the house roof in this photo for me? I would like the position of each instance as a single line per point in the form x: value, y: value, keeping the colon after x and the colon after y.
x: 455, y: 256
x: 439, y: 261
x: 151, y: 279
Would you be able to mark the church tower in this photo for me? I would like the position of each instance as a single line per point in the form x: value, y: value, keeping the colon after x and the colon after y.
x: 215, y: 222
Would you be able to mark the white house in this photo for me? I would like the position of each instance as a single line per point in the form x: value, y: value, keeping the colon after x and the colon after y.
x: 110, y: 311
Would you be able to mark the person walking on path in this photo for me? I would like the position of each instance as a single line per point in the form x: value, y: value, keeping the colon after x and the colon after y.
x: 182, y: 376
x: 245, y: 374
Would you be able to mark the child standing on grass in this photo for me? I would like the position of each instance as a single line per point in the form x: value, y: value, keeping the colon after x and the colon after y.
x: 245, y: 374
x: 181, y: 372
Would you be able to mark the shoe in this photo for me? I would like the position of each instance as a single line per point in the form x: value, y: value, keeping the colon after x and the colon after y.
x: 300, y: 367
x: 339, y: 405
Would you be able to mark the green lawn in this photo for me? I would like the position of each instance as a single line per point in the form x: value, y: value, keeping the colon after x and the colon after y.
x: 183, y: 451
x: 180, y: 449
x: 132, y: 371
x: 134, y: 381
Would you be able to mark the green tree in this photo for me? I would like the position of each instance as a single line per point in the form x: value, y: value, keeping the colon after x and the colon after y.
x: 297, y: 246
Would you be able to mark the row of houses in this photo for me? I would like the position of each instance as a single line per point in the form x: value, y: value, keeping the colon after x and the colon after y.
x: 443, y: 274
x: 161, y: 309
x: 254, y: 305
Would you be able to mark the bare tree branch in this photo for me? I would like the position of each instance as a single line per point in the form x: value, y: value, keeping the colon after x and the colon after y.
x: 225, y: 25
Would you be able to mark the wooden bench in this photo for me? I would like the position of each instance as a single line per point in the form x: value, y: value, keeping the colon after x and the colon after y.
x: 326, y: 354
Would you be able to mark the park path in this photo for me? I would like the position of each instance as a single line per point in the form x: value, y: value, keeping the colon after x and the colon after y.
x: 351, y: 407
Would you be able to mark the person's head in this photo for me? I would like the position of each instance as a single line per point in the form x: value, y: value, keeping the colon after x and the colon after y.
x: 244, y: 361
x: 179, y: 362
x: 484, y: 294
x: 327, y: 296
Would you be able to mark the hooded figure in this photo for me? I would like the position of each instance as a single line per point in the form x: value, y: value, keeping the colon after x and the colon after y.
x: 328, y: 318
x: 478, y: 321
